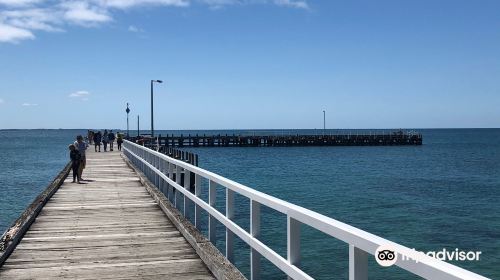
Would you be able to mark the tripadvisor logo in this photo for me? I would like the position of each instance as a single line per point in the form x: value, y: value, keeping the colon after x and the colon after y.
x: 387, y: 255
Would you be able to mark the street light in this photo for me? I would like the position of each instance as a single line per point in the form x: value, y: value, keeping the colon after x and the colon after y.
x: 128, y: 111
x: 152, y: 126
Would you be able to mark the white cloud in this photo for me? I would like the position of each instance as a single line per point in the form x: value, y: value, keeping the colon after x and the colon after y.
x: 82, y: 13
x: 82, y: 94
x: 216, y: 4
x: 33, y: 19
x: 1, y: 101
x: 135, y: 29
x: 19, y: 24
x: 301, y: 4
x: 12, y: 34
x: 18, y: 3
x: 124, y: 4
x: 292, y: 3
x: 29, y: 104
x: 24, y: 17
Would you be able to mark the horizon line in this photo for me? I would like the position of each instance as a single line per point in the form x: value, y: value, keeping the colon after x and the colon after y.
x: 225, y: 129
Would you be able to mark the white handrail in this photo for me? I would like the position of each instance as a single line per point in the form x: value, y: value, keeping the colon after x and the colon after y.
x: 156, y: 166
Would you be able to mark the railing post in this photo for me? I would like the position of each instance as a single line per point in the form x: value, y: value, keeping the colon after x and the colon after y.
x: 151, y: 173
x: 141, y: 155
x: 255, y: 232
x: 178, y: 170
x: 156, y: 165
x: 358, y: 264
x: 293, y: 244
x: 144, y: 157
x: 153, y: 163
x: 164, y: 171
x: 160, y: 179
x: 148, y: 170
x: 197, y: 209
x: 187, y: 185
x: 171, y: 176
x: 229, y: 233
x: 212, y: 231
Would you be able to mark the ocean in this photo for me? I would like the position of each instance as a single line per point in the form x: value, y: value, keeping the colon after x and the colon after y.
x: 442, y: 195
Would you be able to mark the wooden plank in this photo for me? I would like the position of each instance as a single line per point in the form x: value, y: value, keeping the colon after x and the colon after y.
x: 172, y: 268
x: 108, y: 228
x: 75, y: 253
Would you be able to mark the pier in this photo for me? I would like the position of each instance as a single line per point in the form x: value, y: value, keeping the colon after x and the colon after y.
x: 127, y: 222
x: 110, y: 227
x: 396, y: 138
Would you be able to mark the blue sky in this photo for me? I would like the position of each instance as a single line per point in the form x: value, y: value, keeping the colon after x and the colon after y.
x: 250, y: 64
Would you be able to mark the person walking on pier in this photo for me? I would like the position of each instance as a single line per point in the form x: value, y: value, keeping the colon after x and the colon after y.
x: 75, y: 157
x: 111, y: 137
x: 90, y: 136
x: 97, y: 141
x: 81, y: 146
x: 119, y: 141
x: 105, y: 140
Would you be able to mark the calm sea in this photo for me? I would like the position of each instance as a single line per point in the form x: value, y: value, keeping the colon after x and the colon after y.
x: 444, y: 194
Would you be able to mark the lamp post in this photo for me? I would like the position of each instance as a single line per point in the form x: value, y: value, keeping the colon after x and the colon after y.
x: 137, y: 126
x: 128, y: 111
x: 152, y: 126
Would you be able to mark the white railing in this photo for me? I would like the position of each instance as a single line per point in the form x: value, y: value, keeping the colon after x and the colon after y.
x: 160, y: 169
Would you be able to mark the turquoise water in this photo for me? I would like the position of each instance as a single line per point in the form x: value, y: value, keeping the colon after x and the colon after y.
x: 29, y: 161
x: 443, y: 194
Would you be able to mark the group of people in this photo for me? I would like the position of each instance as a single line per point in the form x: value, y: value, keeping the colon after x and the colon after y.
x: 106, y: 138
x: 79, y: 147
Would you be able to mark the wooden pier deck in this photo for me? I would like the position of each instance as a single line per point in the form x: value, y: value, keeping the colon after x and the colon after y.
x: 109, y: 228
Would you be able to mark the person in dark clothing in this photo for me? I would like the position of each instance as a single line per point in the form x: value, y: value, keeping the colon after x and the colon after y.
x: 111, y: 137
x: 119, y: 141
x: 90, y: 136
x: 97, y: 140
x: 75, y: 157
x: 105, y: 140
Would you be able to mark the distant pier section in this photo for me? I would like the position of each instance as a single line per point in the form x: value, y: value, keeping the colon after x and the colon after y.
x: 395, y: 138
